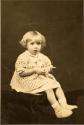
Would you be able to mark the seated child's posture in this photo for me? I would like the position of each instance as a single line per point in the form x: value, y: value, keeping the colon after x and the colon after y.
x: 32, y: 74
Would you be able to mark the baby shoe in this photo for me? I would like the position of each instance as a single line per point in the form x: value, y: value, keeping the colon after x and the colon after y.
x: 64, y: 104
x: 62, y: 112
x: 70, y: 107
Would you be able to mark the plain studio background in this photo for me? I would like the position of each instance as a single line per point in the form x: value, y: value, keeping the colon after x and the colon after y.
x: 62, y: 23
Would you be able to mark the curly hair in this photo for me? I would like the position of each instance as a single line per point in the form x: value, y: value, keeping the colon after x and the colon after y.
x: 32, y: 35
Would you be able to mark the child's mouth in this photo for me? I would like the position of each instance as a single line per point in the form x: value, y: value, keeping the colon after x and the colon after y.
x: 35, y: 50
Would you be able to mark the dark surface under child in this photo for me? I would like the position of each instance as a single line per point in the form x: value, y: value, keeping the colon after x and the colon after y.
x: 20, y: 108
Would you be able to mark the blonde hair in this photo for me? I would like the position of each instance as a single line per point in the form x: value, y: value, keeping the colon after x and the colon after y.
x: 32, y: 35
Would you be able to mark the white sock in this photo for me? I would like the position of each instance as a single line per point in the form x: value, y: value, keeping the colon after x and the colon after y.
x: 62, y: 101
x: 56, y: 104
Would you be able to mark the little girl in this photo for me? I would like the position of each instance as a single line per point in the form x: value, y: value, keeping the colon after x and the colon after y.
x: 32, y: 74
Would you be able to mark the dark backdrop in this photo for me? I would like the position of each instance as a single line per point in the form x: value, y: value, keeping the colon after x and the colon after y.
x: 60, y: 22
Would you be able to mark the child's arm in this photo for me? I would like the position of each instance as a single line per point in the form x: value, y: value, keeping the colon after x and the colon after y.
x: 27, y: 72
x: 21, y: 67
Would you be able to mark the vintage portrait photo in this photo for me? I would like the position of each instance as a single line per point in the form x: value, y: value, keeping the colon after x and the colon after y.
x: 42, y: 78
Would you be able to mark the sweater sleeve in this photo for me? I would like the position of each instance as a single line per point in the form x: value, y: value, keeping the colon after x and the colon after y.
x: 20, y: 64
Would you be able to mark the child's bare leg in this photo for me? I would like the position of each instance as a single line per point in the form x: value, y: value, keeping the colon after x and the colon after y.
x: 62, y: 99
x: 60, y: 112
x: 51, y: 97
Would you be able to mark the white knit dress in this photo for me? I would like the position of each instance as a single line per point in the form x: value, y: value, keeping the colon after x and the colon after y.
x: 34, y: 83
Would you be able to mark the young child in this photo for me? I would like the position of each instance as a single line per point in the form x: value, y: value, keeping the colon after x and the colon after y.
x: 32, y: 74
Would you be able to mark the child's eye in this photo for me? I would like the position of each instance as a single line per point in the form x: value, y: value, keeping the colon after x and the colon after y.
x: 32, y: 43
x: 38, y: 43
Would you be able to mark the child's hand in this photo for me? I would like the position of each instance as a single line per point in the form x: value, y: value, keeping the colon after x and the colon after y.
x: 48, y: 69
x: 40, y: 71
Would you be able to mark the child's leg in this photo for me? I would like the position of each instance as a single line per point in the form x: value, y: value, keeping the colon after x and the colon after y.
x: 62, y: 99
x: 60, y: 95
x: 59, y: 111
x: 51, y: 97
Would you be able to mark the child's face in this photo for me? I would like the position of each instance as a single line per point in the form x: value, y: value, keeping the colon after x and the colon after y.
x: 34, y: 46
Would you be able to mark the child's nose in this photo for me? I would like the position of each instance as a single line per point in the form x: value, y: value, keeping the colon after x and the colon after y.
x: 35, y: 46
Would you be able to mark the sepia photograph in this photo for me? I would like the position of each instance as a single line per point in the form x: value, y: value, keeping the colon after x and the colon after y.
x: 42, y: 57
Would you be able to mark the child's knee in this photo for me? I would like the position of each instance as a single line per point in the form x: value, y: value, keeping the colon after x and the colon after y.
x: 49, y: 91
x: 59, y: 88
